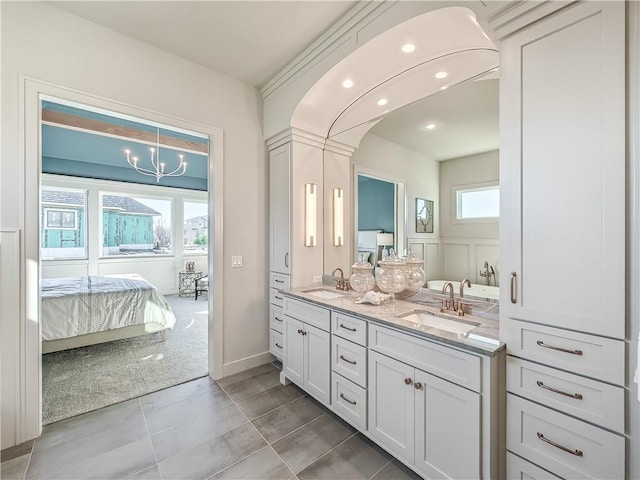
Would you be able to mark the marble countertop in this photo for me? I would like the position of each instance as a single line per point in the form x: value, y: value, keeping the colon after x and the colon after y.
x: 482, y: 339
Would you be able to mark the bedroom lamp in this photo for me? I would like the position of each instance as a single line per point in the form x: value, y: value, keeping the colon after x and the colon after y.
x: 157, y: 167
x: 338, y: 217
x: 384, y: 240
x: 310, y: 194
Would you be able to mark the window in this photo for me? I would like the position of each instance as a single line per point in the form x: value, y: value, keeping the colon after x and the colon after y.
x: 63, y: 223
x: 477, y: 203
x: 135, y: 225
x: 61, y: 219
x: 196, y: 228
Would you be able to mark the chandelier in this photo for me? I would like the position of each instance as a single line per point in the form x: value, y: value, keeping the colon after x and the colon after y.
x: 158, y: 168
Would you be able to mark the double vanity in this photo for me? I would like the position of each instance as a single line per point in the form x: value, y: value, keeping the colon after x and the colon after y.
x: 420, y: 382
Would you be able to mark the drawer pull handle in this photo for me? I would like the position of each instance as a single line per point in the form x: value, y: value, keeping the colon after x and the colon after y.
x: 279, y: 281
x: 303, y: 332
x: 560, y: 349
x: 278, y: 319
x: 418, y: 386
x: 347, y: 328
x: 577, y: 453
x: 278, y: 345
x: 514, y: 297
x: 277, y: 297
x: 577, y: 396
x: 347, y: 360
x: 408, y: 381
x: 347, y: 400
x: 300, y: 331
x: 286, y: 259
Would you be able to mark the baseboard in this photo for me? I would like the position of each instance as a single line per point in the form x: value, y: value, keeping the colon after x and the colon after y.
x: 246, y: 363
x: 16, y: 451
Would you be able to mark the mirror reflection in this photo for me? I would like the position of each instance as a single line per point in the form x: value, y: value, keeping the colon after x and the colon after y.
x: 441, y: 152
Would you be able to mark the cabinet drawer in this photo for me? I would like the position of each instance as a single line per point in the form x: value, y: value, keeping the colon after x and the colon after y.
x: 587, y: 399
x: 349, y: 401
x: 349, y: 360
x: 459, y: 367
x: 276, y: 297
x: 519, y: 469
x: 276, y: 318
x: 279, y: 280
x: 276, y: 344
x: 351, y: 328
x: 575, y: 352
x: 579, y: 450
x: 313, y: 315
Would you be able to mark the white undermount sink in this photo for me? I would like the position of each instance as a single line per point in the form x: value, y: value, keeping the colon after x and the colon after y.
x: 323, y: 293
x: 429, y: 319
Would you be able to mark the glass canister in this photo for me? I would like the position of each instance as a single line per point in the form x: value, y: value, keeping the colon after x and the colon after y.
x: 414, y: 272
x: 391, y: 277
x: 361, y: 279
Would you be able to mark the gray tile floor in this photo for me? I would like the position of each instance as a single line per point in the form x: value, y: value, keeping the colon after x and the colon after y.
x: 246, y: 426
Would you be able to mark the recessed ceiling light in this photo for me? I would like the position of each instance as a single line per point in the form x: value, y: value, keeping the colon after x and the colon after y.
x: 430, y: 126
x: 348, y: 83
x: 442, y: 75
x: 408, y: 47
x: 444, y: 87
x: 382, y: 102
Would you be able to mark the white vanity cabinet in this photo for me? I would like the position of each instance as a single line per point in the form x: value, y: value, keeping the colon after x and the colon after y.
x: 307, y: 346
x: 349, y: 368
x: 562, y: 235
x: 428, y: 422
x: 276, y: 315
x: 280, y: 209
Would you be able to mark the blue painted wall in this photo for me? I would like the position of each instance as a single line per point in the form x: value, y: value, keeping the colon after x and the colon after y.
x: 375, y: 204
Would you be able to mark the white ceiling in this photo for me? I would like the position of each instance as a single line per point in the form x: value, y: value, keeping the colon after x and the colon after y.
x: 253, y: 40
x: 248, y: 40
x: 465, y: 118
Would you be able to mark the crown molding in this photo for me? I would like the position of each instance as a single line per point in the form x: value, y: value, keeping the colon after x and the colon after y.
x: 339, y: 34
x: 510, y: 17
x: 308, y: 138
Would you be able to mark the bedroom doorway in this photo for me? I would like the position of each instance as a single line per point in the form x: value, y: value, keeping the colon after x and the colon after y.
x: 123, y: 239
x: 379, y: 214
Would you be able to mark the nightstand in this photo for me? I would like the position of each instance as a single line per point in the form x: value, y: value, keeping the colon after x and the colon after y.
x: 187, y: 283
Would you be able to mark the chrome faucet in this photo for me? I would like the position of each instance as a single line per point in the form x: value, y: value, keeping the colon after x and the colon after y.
x: 464, y: 282
x: 486, y: 273
x: 450, y: 304
x: 341, y: 283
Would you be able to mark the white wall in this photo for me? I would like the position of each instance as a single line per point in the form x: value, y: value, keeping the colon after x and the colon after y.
x: 41, y: 42
x: 466, y: 246
x: 421, y: 176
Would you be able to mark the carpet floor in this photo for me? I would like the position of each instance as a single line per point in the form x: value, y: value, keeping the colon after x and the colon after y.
x: 87, y: 378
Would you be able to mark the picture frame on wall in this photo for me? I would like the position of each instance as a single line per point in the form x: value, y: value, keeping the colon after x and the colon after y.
x: 424, y: 215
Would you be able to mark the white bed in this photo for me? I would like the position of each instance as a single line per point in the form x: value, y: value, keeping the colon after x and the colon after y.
x: 79, y: 311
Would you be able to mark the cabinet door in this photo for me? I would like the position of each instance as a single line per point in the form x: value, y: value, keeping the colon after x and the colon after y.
x: 391, y: 405
x: 447, y: 428
x: 317, y: 363
x: 562, y: 170
x: 279, y: 204
x: 293, y: 362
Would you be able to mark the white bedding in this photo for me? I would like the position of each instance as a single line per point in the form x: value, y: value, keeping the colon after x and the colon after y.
x: 79, y: 305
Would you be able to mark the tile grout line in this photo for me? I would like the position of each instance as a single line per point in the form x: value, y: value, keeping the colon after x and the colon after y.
x: 381, y: 468
x: 153, y: 448
x: 250, y: 422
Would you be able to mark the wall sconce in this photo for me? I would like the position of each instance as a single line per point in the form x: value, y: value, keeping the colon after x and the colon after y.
x: 338, y: 217
x: 310, y: 191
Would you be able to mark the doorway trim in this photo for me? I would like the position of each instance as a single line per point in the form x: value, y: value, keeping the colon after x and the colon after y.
x: 29, y: 382
x: 400, y: 210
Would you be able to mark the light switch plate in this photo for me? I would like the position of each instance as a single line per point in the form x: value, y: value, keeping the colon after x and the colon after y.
x: 236, y: 261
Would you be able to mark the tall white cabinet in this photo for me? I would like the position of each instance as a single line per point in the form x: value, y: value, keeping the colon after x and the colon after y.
x: 562, y: 237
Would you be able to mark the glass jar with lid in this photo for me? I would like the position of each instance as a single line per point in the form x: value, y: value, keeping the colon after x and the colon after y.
x: 361, y: 279
x: 414, y: 272
x: 391, y: 277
